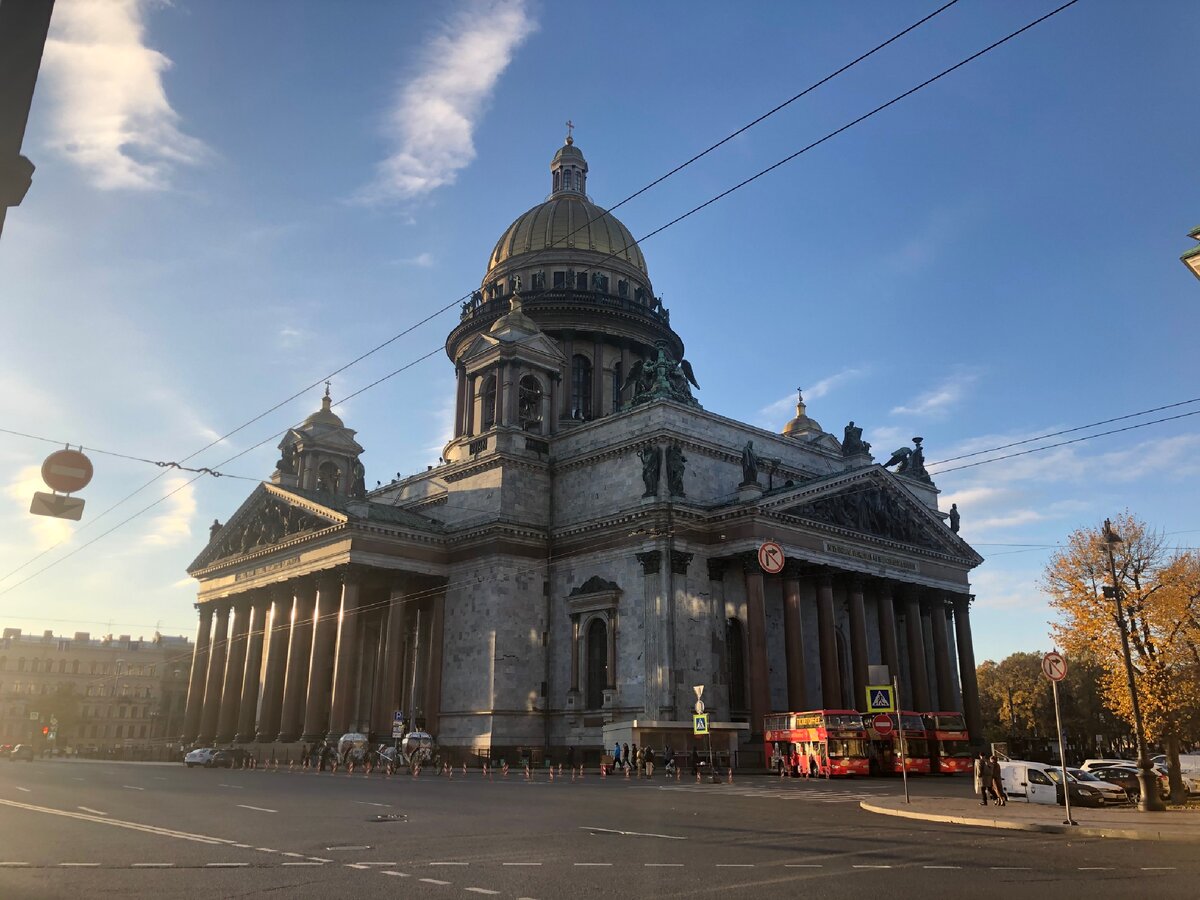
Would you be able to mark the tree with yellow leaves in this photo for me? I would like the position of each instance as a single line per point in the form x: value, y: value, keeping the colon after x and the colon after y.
x: 1161, y: 594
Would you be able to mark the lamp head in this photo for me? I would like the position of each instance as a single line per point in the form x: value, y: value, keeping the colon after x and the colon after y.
x: 1110, y: 536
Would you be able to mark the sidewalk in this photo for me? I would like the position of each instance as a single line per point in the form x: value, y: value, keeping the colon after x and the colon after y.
x: 1018, y: 815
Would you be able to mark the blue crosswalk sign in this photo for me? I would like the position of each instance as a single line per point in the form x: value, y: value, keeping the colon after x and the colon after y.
x: 880, y: 698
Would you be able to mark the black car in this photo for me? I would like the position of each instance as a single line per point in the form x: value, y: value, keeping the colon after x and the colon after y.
x: 21, y: 751
x: 1127, y: 777
x: 232, y: 758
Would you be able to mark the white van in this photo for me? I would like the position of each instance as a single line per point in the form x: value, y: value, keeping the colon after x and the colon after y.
x: 1038, y: 783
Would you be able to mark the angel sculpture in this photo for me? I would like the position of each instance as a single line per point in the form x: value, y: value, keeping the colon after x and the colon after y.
x: 662, y: 378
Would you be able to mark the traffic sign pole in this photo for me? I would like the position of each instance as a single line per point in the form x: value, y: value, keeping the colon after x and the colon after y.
x: 903, y: 742
x: 1054, y: 667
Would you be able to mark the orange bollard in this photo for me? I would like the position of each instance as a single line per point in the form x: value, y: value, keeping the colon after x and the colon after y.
x: 730, y: 780
x: 627, y: 773
x: 678, y: 774
x: 697, y: 776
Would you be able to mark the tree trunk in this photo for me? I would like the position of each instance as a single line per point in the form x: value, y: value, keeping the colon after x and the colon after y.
x: 1179, y: 793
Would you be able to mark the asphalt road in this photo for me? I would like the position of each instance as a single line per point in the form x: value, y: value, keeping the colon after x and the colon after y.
x: 99, y: 830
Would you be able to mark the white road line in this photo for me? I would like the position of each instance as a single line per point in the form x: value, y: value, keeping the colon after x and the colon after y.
x: 1158, y: 868
x: 663, y: 865
x: 433, y: 881
x: 1010, y: 868
x: 77, y: 778
x: 24, y: 790
x: 265, y: 850
x: 475, y: 890
x: 153, y: 865
x: 243, y: 846
x: 520, y: 864
x: 941, y: 867
x: 593, y: 864
x: 225, y: 865
x: 301, y: 864
x: 132, y: 787
x: 1095, y: 868
x: 394, y: 872
x: 735, y: 865
x: 870, y: 867
x: 133, y: 826
x: 297, y: 855
x: 354, y: 866
x: 236, y: 787
x: 13, y: 864
x: 669, y: 837
x: 257, y: 808
x: 79, y: 865
x: 449, y: 864
x: 94, y: 812
x: 369, y: 803
x: 803, y: 866
x: 369, y: 864
x: 319, y: 859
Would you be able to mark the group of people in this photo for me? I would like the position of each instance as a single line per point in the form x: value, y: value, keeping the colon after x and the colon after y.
x: 989, y: 785
x: 641, y: 760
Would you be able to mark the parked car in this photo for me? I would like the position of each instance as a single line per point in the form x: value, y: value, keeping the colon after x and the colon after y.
x: 1042, y: 783
x: 1090, y: 764
x: 21, y: 751
x: 201, y: 756
x: 229, y: 758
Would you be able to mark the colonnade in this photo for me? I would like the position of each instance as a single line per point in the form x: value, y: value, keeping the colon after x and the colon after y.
x: 316, y: 656
x: 913, y: 602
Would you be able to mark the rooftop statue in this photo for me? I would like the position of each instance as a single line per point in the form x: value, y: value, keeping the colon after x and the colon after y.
x: 852, y: 442
x: 749, y: 464
x: 662, y: 379
x: 909, y: 461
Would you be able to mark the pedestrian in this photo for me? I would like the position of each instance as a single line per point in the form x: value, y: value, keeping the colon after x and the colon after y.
x: 639, y: 760
x: 627, y: 755
x: 998, y: 794
x: 571, y: 758
x: 616, y: 755
x: 649, y: 763
x: 695, y: 763
x: 983, y: 778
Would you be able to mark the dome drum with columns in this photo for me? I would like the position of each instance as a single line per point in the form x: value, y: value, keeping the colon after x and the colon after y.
x: 585, y: 551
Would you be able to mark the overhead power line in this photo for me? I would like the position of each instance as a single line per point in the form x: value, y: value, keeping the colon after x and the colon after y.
x: 443, y: 309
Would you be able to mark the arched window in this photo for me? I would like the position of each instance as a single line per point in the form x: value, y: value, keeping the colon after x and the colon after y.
x: 21, y: 664
x: 37, y: 665
x: 328, y: 477
x: 62, y: 667
x: 735, y: 649
x: 581, y: 388
x: 487, y: 400
x: 597, y: 663
x: 75, y: 667
x: 557, y: 183
x: 616, y: 387
x: 529, y: 404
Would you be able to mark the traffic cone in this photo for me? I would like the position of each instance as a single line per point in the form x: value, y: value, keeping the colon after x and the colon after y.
x: 506, y: 770
x: 678, y: 774
x: 603, y: 770
x: 527, y: 772
x: 697, y: 776
x: 464, y: 771
x: 552, y: 774
x: 730, y: 780
x: 627, y: 773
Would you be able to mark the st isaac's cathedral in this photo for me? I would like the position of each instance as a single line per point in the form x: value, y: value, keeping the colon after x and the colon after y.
x: 586, y: 553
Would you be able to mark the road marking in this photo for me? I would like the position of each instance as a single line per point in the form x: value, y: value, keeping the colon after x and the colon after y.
x: 870, y: 867
x: 1158, y: 868
x: 433, y: 881
x: 225, y: 865
x: 475, y: 890
x: 94, y: 812
x: 593, y: 864
x: 159, y: 778
x: 319, y: 859
x: 520, y: 864
x: 394, y: 872
x: 265, y: 850
x: 132, y: 787
x: 368, y: 864
x: 369, y: 803
x: 663, y: 865
x: 13, y: 864
x: 941, y: 867
x: 133, y: 826
x: 153, y: 865
x: 301, y: 864
x: 243, y: 846
x: 24, y: 790
x: 79, y: 865
x: 236, y: 787
x: 669, y: 837
x: 1011, y: 868
x: 77, y: 778
x: 1095, y: 868
x: 257, y: 808
x: 449, y: 864
x: 354, y: 866
x: 735, y: 865
x: 297, y: 855
x: 803, y: 866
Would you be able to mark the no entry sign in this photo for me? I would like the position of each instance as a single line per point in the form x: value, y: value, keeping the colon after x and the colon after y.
x: 882, y: 725
x: 67, y: 471
x: 771, y: 558
x: 1054, y: 666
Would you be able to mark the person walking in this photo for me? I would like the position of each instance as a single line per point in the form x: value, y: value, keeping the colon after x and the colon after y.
x: 639, y: 760
x: 983, y: 778
x: 999, y: 796
x: 649, y: 763
x: 626, y: 760
x: 616, y: 764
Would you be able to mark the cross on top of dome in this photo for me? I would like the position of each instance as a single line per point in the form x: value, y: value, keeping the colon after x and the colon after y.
x: 568, y: 169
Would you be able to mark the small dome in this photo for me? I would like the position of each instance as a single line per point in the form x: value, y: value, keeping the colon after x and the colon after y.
x: 325, y: 415
x: 801, y: 424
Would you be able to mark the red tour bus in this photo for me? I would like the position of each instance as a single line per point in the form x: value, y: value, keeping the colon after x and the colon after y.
x: 823, y: 742
x: 948, y: 742
x: 885, y: 751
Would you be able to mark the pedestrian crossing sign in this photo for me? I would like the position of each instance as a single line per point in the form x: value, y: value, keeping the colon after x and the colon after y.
x: 700, y: 724
x: 880, y: 698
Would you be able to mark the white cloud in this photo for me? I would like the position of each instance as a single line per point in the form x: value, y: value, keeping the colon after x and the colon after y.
x: 784, y: 405
x: 110, y: 114
x: 941, y: 399
x: 44, y: 531
x: 421, y: 260
x: 437, y: 109
x: 173, y: 526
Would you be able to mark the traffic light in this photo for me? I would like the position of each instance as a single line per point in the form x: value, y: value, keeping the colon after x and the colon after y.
x: 45, y: 730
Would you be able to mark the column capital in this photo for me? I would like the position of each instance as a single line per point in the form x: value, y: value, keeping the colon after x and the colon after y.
x: 716, y: 568
x: 750, y: 564
x: 854, y: 581
x: 651, y: 561
x: 793, y: 569
x: 680, y: 562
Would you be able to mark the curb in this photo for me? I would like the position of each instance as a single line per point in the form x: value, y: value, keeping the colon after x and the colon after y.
x: 1128, y: 834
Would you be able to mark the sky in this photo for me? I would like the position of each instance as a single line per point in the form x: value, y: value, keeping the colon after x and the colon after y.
x: 234, y: 200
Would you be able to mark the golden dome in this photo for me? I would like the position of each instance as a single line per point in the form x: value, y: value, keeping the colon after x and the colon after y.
x: 801, y: 424
x: 325, y: 415
x: 567, y: 221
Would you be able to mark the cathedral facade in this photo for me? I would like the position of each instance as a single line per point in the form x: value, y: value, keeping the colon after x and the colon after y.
x: 585, y: 553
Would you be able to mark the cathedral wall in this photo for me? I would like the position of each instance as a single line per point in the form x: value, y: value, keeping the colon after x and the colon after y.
x: 776, y: 652
x: 493, y: 658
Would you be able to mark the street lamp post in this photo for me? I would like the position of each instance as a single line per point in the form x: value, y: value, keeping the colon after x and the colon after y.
x: 1148, y: 799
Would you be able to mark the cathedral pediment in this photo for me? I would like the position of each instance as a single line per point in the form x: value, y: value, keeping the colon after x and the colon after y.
x: 875, y: 504
x: 269, y: 516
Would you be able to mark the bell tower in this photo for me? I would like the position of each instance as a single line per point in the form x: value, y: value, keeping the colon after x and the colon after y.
x: 321, y: 455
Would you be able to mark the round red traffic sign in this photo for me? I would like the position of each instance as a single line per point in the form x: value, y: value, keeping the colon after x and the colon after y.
x: 882, y: 725
x: 1054, y: 666
x: 771, y: 558
x: 66, y: 471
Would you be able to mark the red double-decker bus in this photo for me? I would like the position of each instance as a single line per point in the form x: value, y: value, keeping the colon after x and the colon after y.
x: 884, y: 751
x: 948, y: 742
x: 820, y: 742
